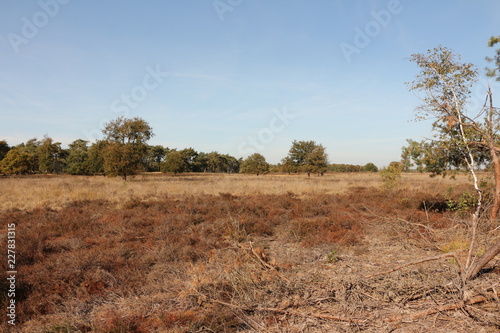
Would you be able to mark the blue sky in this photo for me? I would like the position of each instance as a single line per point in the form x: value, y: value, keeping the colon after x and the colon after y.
x: 234, y: 76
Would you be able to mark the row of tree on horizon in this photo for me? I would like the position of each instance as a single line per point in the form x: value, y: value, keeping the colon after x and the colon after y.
x: 124, y: 151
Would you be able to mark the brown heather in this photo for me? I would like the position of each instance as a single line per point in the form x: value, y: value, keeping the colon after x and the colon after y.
x: 232, y: 253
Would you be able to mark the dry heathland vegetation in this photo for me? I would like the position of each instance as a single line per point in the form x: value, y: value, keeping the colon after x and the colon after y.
x: 233, y: 253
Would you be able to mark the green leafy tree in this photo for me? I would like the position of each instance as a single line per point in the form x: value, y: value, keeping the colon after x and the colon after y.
x: 288, y: 165
x: 123, y: 160
x: 50, y: 156
x: 190, y: 158
x: 391, y: 175
x: 344, y: 168
x: 438, y: 157
x: 201, y: 162
x: 495, y: 71
x: 174, y: 163
x: 370, y: 167
x: 31, y: 148
x: 216, y: 163
x: 126, y: 146
x: 128, y: 131
x: 21, y: 159
x: 17, y: 161
x: 213, y: 162
x: 232, y: 164
x: 306, y: 156
x: 275, y: 168
x: 77, y: 157
x: 316, y: 161
x: 94, y: 164
x: 445, y: 83
x: 255, y: 164
x: 155, y: 157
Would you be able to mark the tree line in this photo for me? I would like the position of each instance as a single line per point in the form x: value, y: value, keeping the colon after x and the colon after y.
x: 124, y: 151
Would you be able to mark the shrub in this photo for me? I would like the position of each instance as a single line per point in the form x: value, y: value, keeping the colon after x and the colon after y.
x: 391, y: 175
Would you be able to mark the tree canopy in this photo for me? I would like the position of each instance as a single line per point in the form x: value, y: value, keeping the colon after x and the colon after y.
x: 255, y: 163
x: 124, y: 151
x: 495, y: 70
x: 125, y: 146
x: 306, y: 156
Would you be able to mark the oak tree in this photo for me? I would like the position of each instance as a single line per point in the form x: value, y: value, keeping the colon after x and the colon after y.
x: 126, y: 146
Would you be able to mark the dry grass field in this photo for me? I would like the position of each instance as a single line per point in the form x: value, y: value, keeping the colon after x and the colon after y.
x: 236, y: 253
x: 57, y: 191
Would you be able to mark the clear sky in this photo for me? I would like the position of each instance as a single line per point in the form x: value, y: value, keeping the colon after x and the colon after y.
x: 233, y: 76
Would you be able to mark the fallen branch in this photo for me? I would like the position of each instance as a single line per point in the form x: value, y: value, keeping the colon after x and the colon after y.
x: 443, y: 308
x: 421, y: 314
x: 416, y: 262
x: 489, y: 255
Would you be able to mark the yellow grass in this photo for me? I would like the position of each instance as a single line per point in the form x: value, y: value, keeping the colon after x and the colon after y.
x: 55, y: 191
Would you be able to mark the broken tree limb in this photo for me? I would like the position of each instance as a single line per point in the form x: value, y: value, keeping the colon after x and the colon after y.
x: 489, y: 255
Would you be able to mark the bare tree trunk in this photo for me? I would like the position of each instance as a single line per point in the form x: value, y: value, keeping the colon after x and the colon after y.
x: 494, y: 158
x: 473, y: 268
x: 496, y: 203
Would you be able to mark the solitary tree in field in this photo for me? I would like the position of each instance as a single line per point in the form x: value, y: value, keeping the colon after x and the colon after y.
x: 306, y: 156
x: 255, y: 163
x: 462, y: 137
x: 126, y: 146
